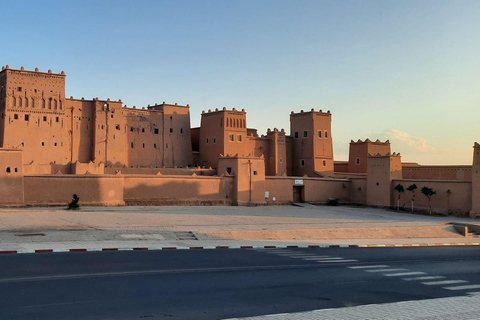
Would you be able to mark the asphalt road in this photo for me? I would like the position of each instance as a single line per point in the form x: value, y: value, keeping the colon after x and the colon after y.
x: 218, y: 284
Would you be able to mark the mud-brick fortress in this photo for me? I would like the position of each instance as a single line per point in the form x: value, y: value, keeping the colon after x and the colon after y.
x: 52, y: 146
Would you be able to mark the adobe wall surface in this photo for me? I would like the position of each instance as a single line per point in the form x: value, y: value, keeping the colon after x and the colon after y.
x: 11, y: 177
x: 452, y: 196
x: 381, y: 171
x: 164, y: 171
x: 314, y: 189
x: 475, y: 210
x: 34, y: 102
x: 178, y: 189
x: 463, y: 173
x: 359, y: 151
x: 312, y: 149
x: 58, y: 190
x: 249, y: 182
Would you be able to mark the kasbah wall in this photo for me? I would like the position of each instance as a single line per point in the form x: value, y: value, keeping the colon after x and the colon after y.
x: 52, y: 146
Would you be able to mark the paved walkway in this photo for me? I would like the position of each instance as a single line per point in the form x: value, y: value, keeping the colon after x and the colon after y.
x: 155, y: 227
x: 458, y: 308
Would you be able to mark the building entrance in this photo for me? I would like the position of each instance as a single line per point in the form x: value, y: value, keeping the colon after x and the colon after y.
x: 297, y: 194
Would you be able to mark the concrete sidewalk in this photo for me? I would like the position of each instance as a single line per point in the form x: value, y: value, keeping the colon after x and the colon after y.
x: 459, y: 308
x: 29, y: 229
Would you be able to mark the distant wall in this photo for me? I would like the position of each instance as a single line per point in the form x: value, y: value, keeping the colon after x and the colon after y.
x: 163, y: 171
x: 58, y: 190
x: 178, y: 189
x: 340, y: 166
x: 315, y: 189
x: 452, y: 196
x: 463, y: 173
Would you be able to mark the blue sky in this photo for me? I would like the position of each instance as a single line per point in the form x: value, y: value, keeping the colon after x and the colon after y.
x: 408, y: 71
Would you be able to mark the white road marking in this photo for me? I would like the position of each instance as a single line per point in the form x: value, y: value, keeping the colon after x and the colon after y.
x: 438, y: 283
x: 370, y: 267
x: 386, y: 270
x: 324, y: 258
x: 423, y: 278
x: 402, y: 274
x: 475, y: 293
x: 327, y: 261
x: 472, y: 286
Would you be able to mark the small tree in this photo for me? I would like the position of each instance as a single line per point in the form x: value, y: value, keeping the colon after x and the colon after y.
x: 412, y: 189
x: 73, y: 205
x: 428, y: 192
x: 399, y: 189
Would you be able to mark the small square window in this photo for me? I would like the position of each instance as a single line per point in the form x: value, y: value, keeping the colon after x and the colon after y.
x: 358, y: 160
x: 239, y: 138
x: 55, y: 144
x: 181, y: 130
x: 214, y: 140
x: 296, y: 135
x: 45, y: 119
x: 155, y: 131
x: 324, y: 163
x: 255, y: 173
x: 19, y: 88
x: 15, y: 116
x: 131, y: 129
x: 57, y: 119
x: 207, y: 140
x: 305, y: 134
x: 231, y: 137
x: 326, y: 134
x: 155, y: 146
x: 117, y: 127
x: 143, y: 145
x: 229, y: 170
x: 302, y: 163
x: 8, y: 170
x: 319, y: 133
x: 171, y: 130
x: 43, y: 144
x: 131, y: 145
x: 143, y: 129
x: 27, y: 117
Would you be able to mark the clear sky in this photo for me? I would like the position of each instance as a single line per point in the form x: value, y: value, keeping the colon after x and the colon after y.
x: 408, y: 71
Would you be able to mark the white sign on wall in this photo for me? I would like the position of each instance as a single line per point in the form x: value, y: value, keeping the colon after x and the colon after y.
x: 299, y: 182
x: 267, y: 194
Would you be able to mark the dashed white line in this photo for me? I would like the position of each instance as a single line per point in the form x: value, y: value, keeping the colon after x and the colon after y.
x: 386, y: 270
x: 473, y: 286
x: 323, y: 258
x: 439, y: 283
x: 331, y: 261
x: 423, y: 278
x: 370, y: 267
x: 402, y: 274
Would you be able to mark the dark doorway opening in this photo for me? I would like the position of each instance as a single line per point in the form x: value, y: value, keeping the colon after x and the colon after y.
x: 298, y: 192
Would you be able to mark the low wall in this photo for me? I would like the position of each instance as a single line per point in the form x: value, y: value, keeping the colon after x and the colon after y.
x: 315, y: 189
x: 358, y: 190
x: 164, y: 171
x: 462, y: 173
x: 58, y: 189
x: 452, y: 196
x: 178, y: 190
x: 52, y: 168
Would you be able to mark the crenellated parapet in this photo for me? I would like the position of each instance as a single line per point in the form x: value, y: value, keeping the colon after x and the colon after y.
x: 376, y: 142
x: 223, y: 110
x: 311, y: 112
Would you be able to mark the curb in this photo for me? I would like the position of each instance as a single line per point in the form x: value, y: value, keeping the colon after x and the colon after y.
x: 241, y: 247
